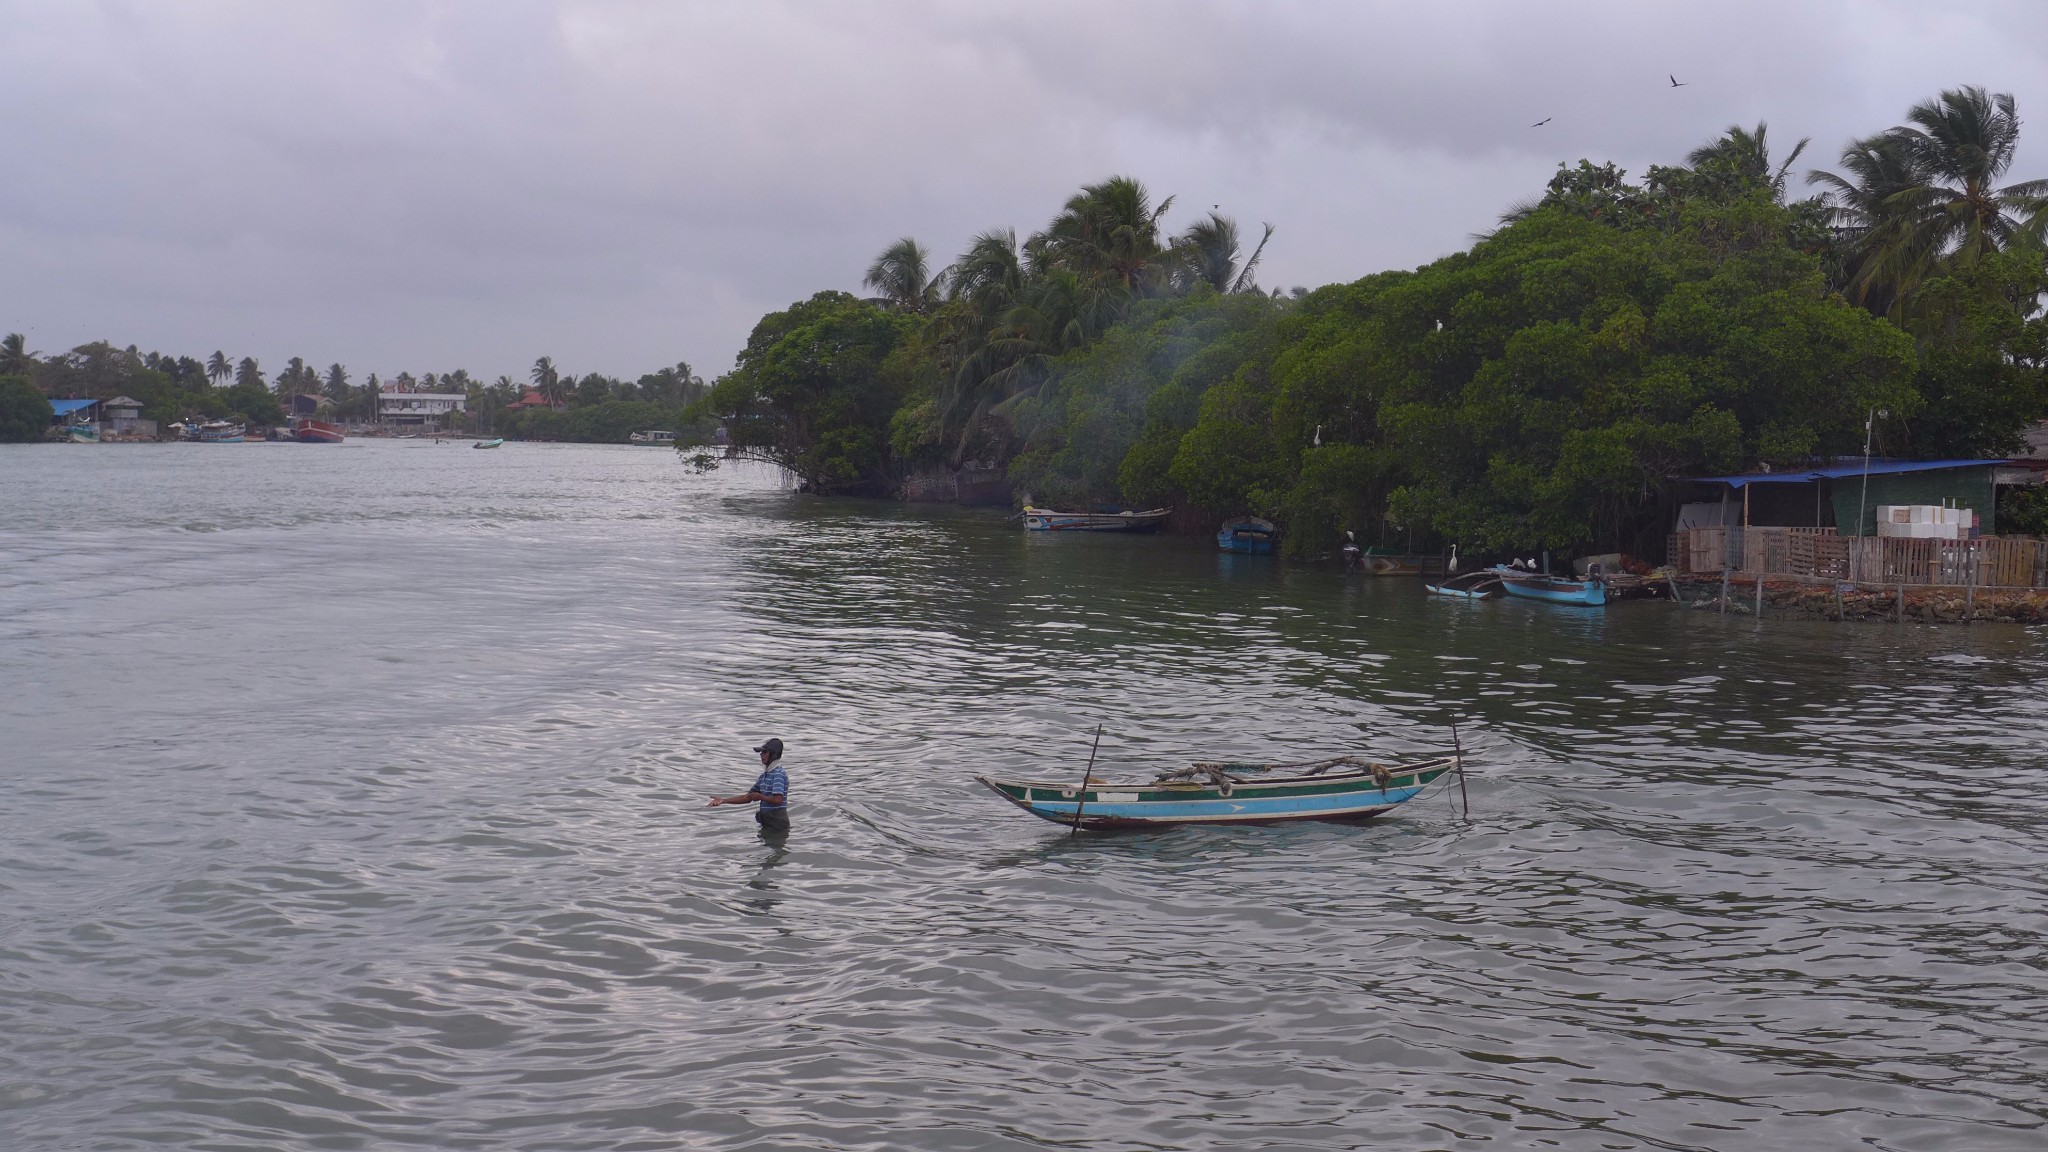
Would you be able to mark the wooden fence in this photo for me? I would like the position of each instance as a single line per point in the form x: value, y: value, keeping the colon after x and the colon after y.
x: 1992, y: 562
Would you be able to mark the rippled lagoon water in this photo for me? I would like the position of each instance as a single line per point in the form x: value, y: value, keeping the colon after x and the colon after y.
x: 352, y: 800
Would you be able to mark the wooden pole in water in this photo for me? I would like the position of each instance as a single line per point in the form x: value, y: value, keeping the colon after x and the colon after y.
x: 1081, y: 797
x: 1458, y: 750
x: 1759, y: 595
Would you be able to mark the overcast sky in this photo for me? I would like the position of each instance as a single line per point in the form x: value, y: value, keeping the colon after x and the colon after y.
x: 424, y: 186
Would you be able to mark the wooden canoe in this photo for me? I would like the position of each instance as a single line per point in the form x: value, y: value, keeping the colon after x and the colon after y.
x: 1338, y: 788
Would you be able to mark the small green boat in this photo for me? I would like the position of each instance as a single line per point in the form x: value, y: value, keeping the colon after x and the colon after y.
x: 497, y: 442
x: 1339, y: 788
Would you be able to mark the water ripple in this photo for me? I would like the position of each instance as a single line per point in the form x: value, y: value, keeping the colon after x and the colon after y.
x: 354, y: 801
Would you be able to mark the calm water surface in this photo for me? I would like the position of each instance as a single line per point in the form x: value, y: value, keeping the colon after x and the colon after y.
x: 350, y: 797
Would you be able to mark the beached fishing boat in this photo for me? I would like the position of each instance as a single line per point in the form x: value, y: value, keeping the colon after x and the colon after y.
x: 494, y: 442
x: 83, y: 433
x: 220, y: 432
x: 1338, y: 788
x: 1482, y: 585
x: 1247, y: 534
x: 311, y: 431
x: 1553, y: 589
x: 653, y: 436
x: 1048, y: 520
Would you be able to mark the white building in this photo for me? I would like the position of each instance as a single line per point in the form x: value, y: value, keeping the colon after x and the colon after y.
x: 418, y: 409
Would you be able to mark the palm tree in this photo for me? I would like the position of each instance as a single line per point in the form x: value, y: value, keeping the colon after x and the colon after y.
x: 337, y: 383
x: 1209, y: 252
x: 1109, y: 234
x: 1747, y: 154
x: 1962, y: 142
x: 548, y: 382
x: 1925, y: 194
x: 217, y: 368
x: 15, y: 358
x: 249, y: 372
x: 902, y: 275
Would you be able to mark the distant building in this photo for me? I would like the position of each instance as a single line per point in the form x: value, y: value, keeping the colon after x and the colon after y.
x: 122, y: 416
x: 532, y: 399
x: 302, y: 404
x: 74, y: 413
x: 1846, y: 495
x: 419, y: 409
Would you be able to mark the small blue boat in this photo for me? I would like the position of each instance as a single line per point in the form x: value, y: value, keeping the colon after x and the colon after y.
x: 1247, y: 534
x: 495, y: 442
x: 1339, y: 788
x: 1591, y: 591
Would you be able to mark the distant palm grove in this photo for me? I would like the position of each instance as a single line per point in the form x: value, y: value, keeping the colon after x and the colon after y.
x: 548, y: 405
x: 1542, y: 388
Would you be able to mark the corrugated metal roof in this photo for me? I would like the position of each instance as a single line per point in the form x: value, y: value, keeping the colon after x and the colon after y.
x: 67, y: 407
x: 1843, y: 471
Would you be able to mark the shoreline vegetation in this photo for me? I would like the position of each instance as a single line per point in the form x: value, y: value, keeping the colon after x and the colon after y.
x: 1541, y: 389
x: 549, y: 405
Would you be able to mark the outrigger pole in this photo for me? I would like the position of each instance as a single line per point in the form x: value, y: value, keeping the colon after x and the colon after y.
x: 1081, y: 797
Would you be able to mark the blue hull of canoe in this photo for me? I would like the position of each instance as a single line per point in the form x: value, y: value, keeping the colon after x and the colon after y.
x: 1244, y: 545
x: 1589, y: 595
x: 1242, y: 796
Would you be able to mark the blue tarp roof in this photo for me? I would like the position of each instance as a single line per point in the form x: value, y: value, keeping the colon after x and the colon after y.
x: 67, y: 407
x: 1843, y: 471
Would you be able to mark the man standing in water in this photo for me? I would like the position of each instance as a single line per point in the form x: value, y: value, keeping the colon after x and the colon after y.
x: 771, y: 790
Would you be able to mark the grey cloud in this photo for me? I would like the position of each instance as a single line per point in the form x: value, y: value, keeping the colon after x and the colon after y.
x: 618, y: 185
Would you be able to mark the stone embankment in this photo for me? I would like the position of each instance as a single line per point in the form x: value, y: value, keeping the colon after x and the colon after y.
x: 1923, y: 604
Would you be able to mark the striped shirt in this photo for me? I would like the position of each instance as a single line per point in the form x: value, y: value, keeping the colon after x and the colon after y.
x: 773, y: 782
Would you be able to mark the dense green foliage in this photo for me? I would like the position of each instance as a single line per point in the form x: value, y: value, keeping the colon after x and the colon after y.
x: 603, y: 422
x: 170, y: 388
x: 1543, y: 389
x: 814, y: 391
x: 25, y: 414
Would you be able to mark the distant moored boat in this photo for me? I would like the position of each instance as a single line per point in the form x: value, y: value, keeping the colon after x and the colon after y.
x: 310, y: 431
x: 494, y: 442
x: 1247, y: 534
x: 1048, y: 520
x: 652, y: 436
x: 1591, y: 591
x: 220, y: 432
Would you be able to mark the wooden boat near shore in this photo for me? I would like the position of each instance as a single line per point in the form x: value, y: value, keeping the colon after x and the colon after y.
x: 1337, y: 788
x: 310, y: 431
x: 1049, y: 520
x: 495, y: 442
x: 1387, y: 562
x: 1481, y: 585
x: 1248, y: 535
x: 1592, y: 591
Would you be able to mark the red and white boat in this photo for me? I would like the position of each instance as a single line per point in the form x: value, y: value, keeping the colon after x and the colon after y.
x: 311, y: 431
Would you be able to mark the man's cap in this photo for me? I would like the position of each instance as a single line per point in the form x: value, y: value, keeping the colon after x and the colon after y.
x: 771, y: 746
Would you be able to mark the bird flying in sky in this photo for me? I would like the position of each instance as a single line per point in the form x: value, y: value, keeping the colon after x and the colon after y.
x: 1541, y: 123
x: 1674, y: 81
